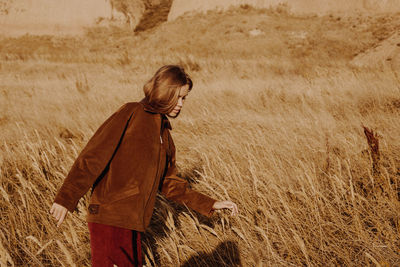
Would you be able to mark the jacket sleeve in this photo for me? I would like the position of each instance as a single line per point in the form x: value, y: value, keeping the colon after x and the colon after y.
x: 177, y: 189
x: 93, y: 159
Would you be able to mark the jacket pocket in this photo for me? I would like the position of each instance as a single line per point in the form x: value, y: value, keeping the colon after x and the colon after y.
x: 125, y: 193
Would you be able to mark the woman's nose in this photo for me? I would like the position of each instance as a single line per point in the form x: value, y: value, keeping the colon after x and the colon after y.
x: 180, y: 102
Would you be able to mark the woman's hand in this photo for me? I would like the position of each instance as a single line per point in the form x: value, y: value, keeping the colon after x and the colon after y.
x: 226, y: 204
x: 59, y: 212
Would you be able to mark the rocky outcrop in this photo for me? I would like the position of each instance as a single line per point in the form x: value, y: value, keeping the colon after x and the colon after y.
x: 132, y: 10
x: 319, y: 7
x: 143, y: 14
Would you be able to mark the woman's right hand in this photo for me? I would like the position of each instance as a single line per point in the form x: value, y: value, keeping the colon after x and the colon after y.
x: 59, y: 212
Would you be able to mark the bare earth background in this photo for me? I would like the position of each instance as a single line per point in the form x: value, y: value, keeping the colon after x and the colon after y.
x: 274, y: 123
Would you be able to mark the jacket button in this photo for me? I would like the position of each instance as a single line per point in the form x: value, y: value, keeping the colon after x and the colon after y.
x: 93, y: 208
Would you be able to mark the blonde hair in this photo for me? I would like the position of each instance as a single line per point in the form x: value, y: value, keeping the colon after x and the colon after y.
x: 162, y: 90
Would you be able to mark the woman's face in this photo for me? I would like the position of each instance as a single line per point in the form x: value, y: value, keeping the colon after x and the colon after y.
x: 183, y: 92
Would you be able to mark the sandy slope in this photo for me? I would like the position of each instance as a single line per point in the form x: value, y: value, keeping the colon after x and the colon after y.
x: 52, y: 17
x: 180, y: 7
x: 385, y: 53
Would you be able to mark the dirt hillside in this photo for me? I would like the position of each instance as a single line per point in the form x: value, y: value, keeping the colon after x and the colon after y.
x: 50, y: 17
x: 319, y: 7
x: 385, y: 53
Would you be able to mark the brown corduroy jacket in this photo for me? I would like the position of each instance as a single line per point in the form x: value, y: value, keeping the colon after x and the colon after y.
x: 126, y: 161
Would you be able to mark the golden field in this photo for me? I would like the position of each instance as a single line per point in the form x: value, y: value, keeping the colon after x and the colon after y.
x: 274, y: 123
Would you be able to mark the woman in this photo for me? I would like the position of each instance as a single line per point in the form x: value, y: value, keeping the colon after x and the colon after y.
x: 128, y: 159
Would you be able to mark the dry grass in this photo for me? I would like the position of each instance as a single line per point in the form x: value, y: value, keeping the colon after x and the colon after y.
x: 274, y: 123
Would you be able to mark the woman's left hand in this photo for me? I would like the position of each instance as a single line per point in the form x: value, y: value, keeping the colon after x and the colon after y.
x: 226, y: 204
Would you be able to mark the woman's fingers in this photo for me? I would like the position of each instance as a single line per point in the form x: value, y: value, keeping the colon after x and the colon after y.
x: 226, y: 204
x: 58, y: 212
x: 234, y: 209
x: 61, y: 219
x: 55, y: 211
x: 230, y: 205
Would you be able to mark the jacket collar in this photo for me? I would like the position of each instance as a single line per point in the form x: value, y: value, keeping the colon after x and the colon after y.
x: 147, y: 107
x: 165, y: 122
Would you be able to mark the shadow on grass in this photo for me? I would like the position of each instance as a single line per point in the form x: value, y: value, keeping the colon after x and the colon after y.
x: 158, y: 228
x: 225, y: 254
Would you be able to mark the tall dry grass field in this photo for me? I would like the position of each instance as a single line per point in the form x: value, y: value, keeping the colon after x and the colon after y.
x: 274, y: 123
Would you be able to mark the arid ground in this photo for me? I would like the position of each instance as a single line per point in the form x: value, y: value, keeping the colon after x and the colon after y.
x: 274, y: 123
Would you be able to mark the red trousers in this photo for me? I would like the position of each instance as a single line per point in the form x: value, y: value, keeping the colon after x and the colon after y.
x: 111, y: 245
